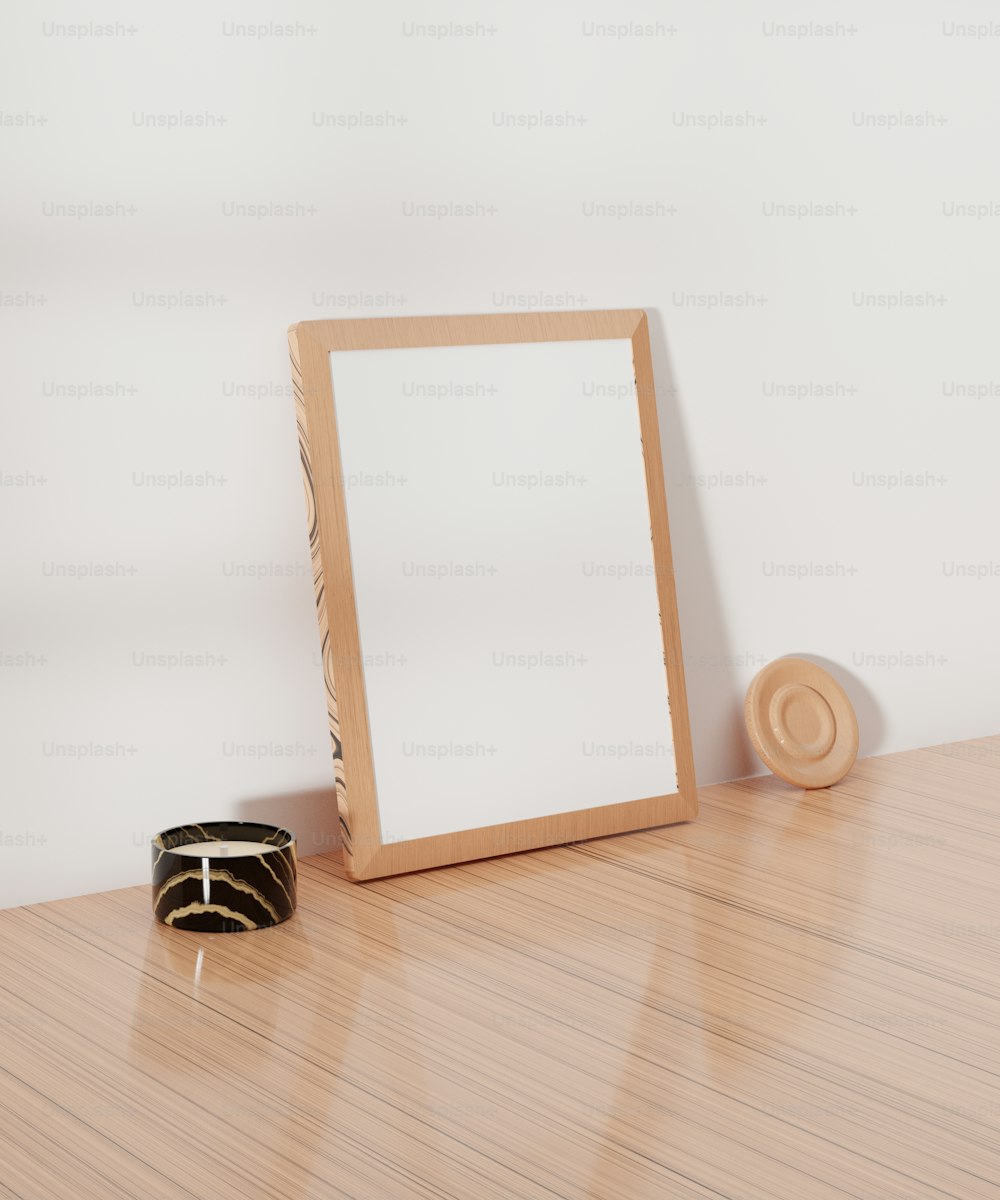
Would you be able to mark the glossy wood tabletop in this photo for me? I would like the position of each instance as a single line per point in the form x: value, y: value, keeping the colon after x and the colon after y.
x: 794, y: 996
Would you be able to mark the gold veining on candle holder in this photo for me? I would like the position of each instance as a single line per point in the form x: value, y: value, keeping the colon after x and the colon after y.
x: 225, y: 892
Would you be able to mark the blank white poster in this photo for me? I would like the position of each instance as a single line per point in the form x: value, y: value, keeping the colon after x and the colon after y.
x: 503, y: 571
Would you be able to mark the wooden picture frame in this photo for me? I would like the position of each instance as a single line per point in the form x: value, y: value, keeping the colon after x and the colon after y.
x: 366, y: 855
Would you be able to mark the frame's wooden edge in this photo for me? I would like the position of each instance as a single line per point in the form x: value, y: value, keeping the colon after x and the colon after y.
x: 344, y: 642
x: 467, y: 329
x: 302, y: 423
x: 663, y: 557
x: 534, y: 833
x: 366, y: 856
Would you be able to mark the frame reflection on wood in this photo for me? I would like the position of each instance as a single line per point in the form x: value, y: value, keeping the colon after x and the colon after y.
x: 494, y: 583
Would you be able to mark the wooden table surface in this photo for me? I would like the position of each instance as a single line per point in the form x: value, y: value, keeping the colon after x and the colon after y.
x: 794, y: 996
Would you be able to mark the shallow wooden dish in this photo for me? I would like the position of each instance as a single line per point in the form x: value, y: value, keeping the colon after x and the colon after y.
x: 801, y: 723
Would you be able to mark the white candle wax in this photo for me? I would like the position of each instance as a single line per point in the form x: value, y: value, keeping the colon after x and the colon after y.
x: 223, y: 849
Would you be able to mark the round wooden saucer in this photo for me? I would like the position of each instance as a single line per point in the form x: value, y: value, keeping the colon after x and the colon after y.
x: 801, y: 723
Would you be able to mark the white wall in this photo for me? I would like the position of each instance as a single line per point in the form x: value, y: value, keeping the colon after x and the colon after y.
x: 151, y: 342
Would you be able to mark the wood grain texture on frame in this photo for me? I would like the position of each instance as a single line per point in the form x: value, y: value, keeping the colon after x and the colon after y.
x: 366, y: 856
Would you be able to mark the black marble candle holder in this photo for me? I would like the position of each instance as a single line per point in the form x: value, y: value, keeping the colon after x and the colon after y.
x: 224, y: 876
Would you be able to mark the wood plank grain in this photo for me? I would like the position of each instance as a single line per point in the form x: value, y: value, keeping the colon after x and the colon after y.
x: 797, y: 996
